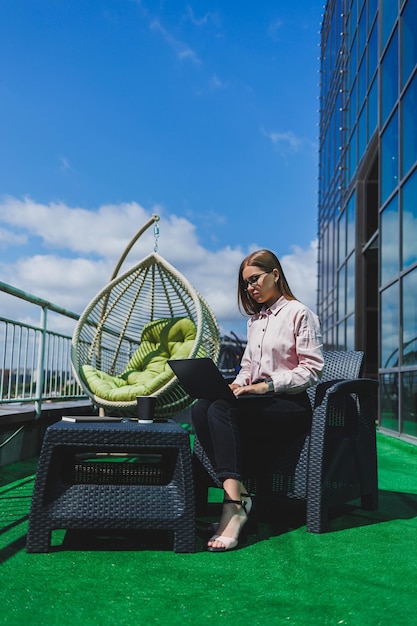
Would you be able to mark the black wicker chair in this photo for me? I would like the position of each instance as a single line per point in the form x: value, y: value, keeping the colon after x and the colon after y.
x: 332, y: 465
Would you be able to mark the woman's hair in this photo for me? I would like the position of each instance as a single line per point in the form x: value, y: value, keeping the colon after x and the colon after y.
x: 266, y: 261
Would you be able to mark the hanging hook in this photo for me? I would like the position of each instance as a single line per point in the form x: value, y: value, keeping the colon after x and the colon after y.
x: 154, y: 219
x: 156, y: 231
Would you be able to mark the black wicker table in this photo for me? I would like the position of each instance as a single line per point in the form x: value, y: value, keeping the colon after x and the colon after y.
x: 106, y: 475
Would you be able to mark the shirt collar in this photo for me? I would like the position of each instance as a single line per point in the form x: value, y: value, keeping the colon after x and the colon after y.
x: 275, y: 308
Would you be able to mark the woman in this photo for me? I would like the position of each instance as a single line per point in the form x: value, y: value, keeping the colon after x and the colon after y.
x: 283, y: 357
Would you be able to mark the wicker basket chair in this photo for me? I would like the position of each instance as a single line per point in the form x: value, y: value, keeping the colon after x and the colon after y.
x: 108, y: 333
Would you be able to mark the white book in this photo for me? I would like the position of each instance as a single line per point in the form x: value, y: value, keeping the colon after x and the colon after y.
x: 89, y: 418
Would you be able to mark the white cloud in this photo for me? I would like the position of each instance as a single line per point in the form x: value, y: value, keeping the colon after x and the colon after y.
x: 65, y: 164
x: 101, y: 232
x: 181, y: 49
x: 288, y: 142
x: 275, y: 28
x: 202, y: 21
x: 91, y: 242
x: 9, y: 238
x: 300, y: 268
x: 285, y: 140
x: 217, y: 83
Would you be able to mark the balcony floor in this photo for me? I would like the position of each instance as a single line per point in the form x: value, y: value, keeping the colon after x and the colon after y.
x: 361, y: 572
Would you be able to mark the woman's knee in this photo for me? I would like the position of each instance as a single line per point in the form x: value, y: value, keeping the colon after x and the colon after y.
x: 219, y: 410
x: 199, y: 412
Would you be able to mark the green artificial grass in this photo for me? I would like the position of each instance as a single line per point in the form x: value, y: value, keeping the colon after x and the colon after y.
x: 361, y: 572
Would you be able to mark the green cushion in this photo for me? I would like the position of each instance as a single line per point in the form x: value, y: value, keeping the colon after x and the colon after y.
x: 147, y: 370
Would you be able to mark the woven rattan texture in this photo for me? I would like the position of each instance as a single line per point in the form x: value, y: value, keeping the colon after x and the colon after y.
x: 62, y: 499
x: 109, y: 330
x: 336, y: 462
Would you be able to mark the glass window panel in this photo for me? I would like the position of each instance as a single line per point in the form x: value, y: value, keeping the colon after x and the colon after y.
x: 338, y: 113
x: 351, y: 224
x: 372, y: 109
x: 390, y: 245
x: 349, y: 74
x: 409, y: 403
x: 362, y: 82
x: 409, y: 40
x: 353, y: 159
x: 353, y: 107
x: 389, y: 401
x: 372, y: 53
x: 409, y: 128
x: 362, y: 32
x: 335, y: 32
x: 341, y: 336
x: 409, y: 221
x: 342, y: 237
x: 390, y: 326
x: 389, y: 11
x: 362, y: 134
x: 354, y: 13
x: 332, y: 344
x: 409, y: 310
x: 350, y: 333
x: 353, y: 59
x: 389, y: 79
x: 341, y: 292
x: 346, y: 163
x: 350, y: 285
x: 331, y: 261
x: 325, y: 266
x: 330, y: 320
x: 389, y: 158
x: 372, y: 9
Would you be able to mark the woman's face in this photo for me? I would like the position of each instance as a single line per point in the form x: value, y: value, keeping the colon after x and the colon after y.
x: 261, y: 285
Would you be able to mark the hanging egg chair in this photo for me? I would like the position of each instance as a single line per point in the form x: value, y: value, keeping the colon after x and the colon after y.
x: 127, y: 333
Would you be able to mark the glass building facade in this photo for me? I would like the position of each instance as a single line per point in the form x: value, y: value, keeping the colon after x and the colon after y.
x: 367, y: 293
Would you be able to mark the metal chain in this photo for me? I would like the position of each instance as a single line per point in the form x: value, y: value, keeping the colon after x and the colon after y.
x: 156, y: 232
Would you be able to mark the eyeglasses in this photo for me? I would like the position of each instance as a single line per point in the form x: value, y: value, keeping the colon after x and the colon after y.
x: 252, y: 281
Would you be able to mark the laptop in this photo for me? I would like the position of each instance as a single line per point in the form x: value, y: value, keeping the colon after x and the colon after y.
x: 201, y: 378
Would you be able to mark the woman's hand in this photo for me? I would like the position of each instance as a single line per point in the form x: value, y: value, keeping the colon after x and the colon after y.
x: 257, y: 388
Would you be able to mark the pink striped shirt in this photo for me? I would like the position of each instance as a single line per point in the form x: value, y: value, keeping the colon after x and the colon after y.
x: 284, y: 345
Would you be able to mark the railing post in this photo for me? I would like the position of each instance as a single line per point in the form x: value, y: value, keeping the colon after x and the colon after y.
x: 40, y: 374
x: 32, y: 352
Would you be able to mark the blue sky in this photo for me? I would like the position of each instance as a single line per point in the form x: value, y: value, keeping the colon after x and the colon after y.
x: 204, y: 112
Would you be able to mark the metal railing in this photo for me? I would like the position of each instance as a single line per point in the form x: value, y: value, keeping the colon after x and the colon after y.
x: 35, y: 363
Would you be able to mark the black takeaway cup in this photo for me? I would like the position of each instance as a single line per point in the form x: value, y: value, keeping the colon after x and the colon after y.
x: 145, y: 409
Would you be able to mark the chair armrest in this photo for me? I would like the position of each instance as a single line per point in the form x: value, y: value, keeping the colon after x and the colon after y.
x: 360, y: 386
x: 333, y: 399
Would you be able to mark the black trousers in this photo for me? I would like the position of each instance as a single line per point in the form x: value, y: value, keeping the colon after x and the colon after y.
x: 244, y: 436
